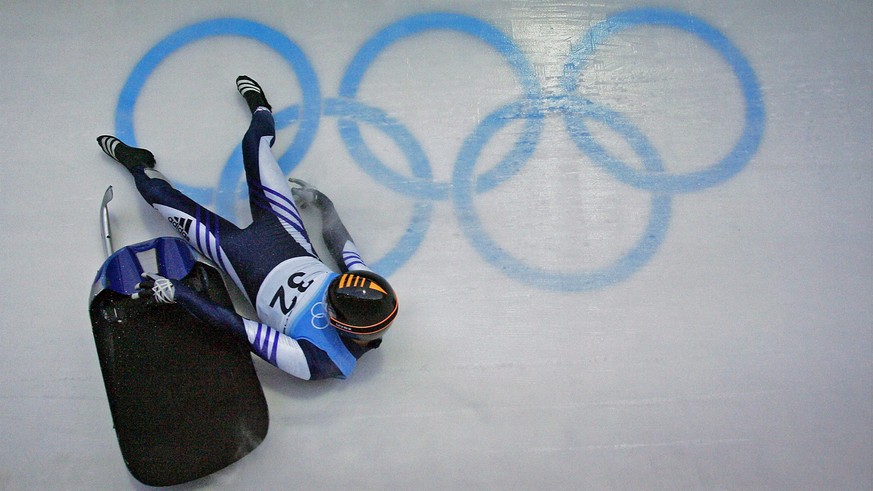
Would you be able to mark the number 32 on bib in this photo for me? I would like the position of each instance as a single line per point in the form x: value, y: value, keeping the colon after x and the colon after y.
x: 295, y: 287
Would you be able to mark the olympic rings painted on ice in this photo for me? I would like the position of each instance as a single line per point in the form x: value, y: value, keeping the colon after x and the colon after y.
x: 531, y: 109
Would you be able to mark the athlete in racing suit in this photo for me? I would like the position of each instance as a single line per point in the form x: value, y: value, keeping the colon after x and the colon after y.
x: 272, y: 260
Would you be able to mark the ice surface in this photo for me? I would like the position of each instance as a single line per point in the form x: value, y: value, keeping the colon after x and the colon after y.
x: 671, y: 288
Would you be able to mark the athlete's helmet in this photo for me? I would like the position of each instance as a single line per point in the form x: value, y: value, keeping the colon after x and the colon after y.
x: 361, y: 305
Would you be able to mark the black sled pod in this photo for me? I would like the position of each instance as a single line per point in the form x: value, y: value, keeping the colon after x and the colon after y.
x: 184, y: 396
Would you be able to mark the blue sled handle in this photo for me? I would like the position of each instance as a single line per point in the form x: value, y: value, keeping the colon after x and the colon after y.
x: 122, y: 270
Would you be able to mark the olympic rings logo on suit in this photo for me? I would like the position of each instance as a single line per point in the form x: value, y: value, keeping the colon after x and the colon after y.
x: 319, y: 316
x: 532, y: 109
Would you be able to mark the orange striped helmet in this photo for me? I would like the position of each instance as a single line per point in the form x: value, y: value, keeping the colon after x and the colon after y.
x: 361, y: 305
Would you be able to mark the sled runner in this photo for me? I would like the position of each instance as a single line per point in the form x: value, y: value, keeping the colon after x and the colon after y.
x: 184, y: 396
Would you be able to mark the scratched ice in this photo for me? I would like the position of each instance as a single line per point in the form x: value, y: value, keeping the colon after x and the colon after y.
x: 632, y: 244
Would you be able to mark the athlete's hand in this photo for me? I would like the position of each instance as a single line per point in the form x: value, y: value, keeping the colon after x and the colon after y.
x: 306, y: 195
x: 156, y: 287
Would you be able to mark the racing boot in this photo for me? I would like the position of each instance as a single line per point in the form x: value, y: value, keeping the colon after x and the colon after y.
x: 252, y: 93
x: 129, y: 157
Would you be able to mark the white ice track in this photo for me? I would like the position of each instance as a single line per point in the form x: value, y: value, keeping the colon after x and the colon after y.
x: 729, y: 349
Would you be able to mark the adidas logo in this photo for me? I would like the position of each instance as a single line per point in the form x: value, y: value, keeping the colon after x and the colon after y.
x: 182, y: 225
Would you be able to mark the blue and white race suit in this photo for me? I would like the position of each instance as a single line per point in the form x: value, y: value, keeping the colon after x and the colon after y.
x: 272, y: 261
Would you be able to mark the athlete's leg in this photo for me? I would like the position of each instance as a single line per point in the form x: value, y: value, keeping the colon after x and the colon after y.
x: 272, y: 205
x: 211, y: 235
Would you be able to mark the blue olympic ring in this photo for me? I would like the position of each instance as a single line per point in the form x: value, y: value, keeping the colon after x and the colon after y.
x: 531, y: 109
x: 422, y: 211
x: 628, y: 264
x: 352, y: 110
x: 423, y: 186
x: 310, y: 108
x: 649, y: 179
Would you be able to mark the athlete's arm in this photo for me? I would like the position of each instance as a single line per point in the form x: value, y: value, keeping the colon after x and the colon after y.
x: 271, y: 345
x: 336, y: 237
